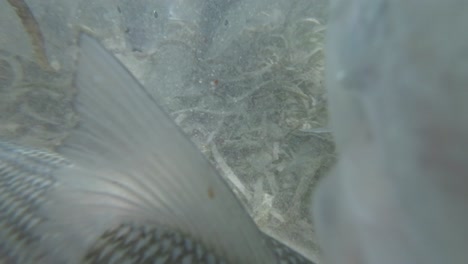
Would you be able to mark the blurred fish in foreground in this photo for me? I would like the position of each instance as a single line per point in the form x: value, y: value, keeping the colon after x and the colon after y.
x: 132, y: 188
x: 397, y: 77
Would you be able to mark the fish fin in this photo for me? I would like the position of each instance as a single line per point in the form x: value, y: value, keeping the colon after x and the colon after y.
x: 133, y: 163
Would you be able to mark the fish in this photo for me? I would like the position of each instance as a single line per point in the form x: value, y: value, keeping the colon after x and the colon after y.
x: 126, y: 186
x: 396, y: 79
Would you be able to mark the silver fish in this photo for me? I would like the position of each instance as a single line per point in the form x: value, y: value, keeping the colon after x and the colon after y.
x: 132, y: 188
x: 397, y: 84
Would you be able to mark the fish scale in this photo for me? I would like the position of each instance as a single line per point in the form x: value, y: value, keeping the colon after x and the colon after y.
x: 159, y: 244
x: 25, y: 177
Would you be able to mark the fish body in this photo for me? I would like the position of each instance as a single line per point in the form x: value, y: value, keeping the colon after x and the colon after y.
x: 126, y: 187
x: 397, y: 87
